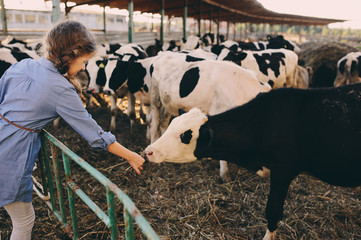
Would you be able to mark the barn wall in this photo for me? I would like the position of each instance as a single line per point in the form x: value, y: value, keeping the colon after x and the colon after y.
x: 143, y: 38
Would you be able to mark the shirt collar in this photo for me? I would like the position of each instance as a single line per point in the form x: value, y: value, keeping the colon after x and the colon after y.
x: 48, y: 64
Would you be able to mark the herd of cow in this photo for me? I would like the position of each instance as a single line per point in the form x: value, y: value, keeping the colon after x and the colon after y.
x: 246, y: 103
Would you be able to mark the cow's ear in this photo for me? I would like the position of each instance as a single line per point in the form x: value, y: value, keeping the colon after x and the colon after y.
x: 186, y: 136
x: 240, y: 56
x: 181, y: 111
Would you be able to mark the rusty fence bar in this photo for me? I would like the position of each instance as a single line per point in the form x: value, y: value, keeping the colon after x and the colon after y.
x: 50, y: 171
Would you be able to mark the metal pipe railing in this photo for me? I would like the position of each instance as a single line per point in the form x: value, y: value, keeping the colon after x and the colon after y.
x: 130, y: 211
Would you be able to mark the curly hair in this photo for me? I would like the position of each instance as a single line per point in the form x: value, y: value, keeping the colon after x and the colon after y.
x: 65, y: 42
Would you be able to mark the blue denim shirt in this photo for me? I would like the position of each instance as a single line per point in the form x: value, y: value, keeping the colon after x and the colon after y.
x: 32, y: 94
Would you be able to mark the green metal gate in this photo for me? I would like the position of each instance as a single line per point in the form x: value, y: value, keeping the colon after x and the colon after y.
x: 50, y: 171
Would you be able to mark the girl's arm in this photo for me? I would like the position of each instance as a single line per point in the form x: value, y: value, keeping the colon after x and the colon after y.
x: 134, y: 159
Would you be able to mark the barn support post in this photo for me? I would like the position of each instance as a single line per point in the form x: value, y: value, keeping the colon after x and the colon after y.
x: 3, y: 17
x: 185, y: 19
x: 234, y: 31
x: 298, y: 33
x: 219, y: 22
x: 130, y: 21
x: 104, y: 21
x: 210, y: 19
x: 234, y: 27
x: 152, y: 24
x: 227, y: 34
x: 246, y: 30
x: 200, y: 18
x: 162, y: 23
x: 56, y: 13
x: 263, y: 29
x: 283, y: 28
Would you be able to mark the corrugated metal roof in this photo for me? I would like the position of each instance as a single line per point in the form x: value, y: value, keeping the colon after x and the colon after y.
x: 232, y: 10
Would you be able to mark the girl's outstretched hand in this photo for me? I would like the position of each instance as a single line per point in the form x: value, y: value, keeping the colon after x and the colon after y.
x: 134, y: 159
x: 136, y: 162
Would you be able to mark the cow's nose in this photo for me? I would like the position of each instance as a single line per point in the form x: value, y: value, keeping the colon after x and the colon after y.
x: 148, y: 153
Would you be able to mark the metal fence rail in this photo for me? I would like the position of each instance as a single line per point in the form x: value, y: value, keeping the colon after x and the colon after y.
x: 51, y: 171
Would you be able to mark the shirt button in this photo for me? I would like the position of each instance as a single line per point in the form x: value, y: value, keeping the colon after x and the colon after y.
x: 101, y: 133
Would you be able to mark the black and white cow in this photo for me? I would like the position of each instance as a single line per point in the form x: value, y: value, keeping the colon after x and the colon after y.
x: 348, y: 69
x: 105, y: 49
x: 210, y: 85
x: 276, y: 42
x: 6, y: 60
x: 210, y: 39
x: 132, y: 50
x: 137, y: 75
x: 231, y: 45
x: 173, y: 45
x: 97, y: 77
x: 115, y: 74
x: 281, y: 133
x: 23, y: 46
x: 273, y: 42
x: 15, y: 44
x: 9, y: 56
x: 152, y: 50
x: 192, y: 42
x: 253, y: 46
x: 95, y: 69
x: 274, y: 66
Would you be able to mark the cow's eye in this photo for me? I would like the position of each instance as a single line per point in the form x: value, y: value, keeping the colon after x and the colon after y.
x: 186, y: 137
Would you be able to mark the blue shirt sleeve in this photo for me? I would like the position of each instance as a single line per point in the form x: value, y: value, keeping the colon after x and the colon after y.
x: 71, y: 109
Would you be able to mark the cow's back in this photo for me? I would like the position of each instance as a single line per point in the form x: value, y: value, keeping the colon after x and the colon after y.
x: 210, y: 85
x: 318, y: 129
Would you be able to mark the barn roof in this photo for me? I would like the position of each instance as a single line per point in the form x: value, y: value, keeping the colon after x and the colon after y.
x: 232, y: 10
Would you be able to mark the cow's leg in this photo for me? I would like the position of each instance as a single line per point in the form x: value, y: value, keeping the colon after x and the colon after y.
x: 113, y: 111
x: 131, y: 109
x: 270, y: 235
x: 100, y: 100
x: 142, y: 113
x: 276, y: 198
x: 154, y: 124
x: 148, y: 123
x: 224, y: 172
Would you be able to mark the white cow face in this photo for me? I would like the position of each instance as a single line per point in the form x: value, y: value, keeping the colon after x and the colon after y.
x: 178, y: 142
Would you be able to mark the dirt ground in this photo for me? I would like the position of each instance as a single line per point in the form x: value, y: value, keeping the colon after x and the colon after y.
x: 188, y: 201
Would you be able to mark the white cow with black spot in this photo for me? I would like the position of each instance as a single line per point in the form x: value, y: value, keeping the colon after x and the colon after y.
x: 210, y: 85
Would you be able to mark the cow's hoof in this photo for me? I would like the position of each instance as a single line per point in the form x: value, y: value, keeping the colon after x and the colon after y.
x: 226, y: 178
x: 270, y: 235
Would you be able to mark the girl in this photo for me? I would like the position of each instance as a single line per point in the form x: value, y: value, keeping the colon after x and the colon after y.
x: 32, y: 94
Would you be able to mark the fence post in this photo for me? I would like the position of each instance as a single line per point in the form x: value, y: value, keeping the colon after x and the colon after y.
x: 131, y: 212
